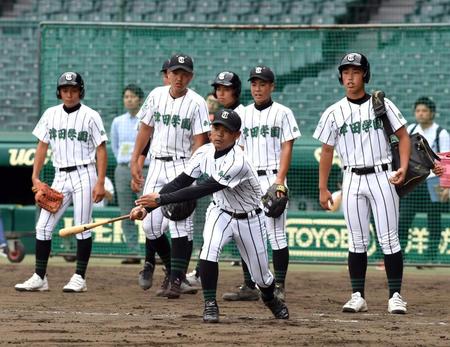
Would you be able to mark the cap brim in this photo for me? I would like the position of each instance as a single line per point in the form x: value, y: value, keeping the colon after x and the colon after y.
x: 264, y: 78
x: 226, y: 84
x: 350, y: 64
x: 180, y: 67
x: 219, y: 121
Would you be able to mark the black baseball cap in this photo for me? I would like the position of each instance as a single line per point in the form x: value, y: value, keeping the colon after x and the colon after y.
x: 263, y: 73
x: 180, y: 61
x: 165, y: 65
x: 228, y: 118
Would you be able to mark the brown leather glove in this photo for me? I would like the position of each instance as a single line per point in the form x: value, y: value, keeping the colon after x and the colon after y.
x: 47, y: 198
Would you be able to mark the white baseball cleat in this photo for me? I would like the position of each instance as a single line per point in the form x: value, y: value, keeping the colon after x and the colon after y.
x: 77, y: 284
x: 396, y: 304
x: 355, y: 304
x: 194, y: 279
x: 34, y: 284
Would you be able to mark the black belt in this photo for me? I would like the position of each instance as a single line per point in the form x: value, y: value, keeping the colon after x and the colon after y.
x: 128, y: 165
x: 169, y: 158
x: 243, y: 215
x: 71, y: 168
x: 367, y: 170
x: 264, y: 172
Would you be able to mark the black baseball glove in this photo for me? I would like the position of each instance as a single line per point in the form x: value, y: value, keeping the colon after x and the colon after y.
x: 179, y: 210
x: 274, y: 206
x: 420, y: 163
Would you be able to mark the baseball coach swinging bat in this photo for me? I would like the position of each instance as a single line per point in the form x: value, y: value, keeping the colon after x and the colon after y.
x: 83, y: 227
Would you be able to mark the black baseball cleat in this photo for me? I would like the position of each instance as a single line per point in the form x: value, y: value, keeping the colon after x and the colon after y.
x: 211, y: 312
x: 278, y: 308
x: 146, y: 276
x: 174, y: 290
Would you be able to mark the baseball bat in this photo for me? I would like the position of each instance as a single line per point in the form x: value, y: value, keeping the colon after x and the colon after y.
x: 83, y: 227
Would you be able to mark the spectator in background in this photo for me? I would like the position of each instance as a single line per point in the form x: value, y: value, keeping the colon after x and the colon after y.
x: 213, y: 104
x: 428, y: 197
x: 123, y: 136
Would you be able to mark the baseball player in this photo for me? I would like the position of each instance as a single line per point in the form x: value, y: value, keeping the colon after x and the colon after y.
x: 268, y: 135
x: 77, y: 139
x: 177, y: 120
x: 227, y: 90
x: 234, y: 213
x: 351, y: 127
x: 145, y: 278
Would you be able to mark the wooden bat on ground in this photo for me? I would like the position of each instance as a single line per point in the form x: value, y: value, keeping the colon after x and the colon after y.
x: 83, y: 227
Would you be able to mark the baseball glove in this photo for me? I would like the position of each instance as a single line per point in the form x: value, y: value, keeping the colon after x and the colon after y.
x: 420, y: 163
x: 274, y: 206
x: 47, y: 198
x: 179, y: 210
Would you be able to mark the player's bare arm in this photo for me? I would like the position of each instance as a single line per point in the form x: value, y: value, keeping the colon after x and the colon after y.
x: 144, y: 134
x: 405, y: 151
x: 285, y: 162
x: 102, y: 158
x: 198, y: 141
x: 137, y: 184
x: 326, y: 161
x: 39, y: 159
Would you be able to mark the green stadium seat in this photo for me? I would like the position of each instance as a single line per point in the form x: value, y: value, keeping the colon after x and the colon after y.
x: 238, y: 7
x: 227, y: 18
x: 302, y: 8
x: 207, y: 7
x: 194, y: 17
x: 322, y: 19
x: 144, y: 7
x: 81, y: 6
x: 174, y: 7
x: 49, y: 6
x: 269, y: 8
x: 160, y: 17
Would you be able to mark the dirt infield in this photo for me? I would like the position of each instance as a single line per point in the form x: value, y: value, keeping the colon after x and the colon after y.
x: 116, y: 312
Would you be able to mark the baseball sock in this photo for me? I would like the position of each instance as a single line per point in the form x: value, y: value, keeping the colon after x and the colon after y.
x: 84, y: 248
x: 162, y: 246
x: 149, y: 252
x: 43, y: 249
x: 280, y: 264
x: 393, y: 263
x: 178, y: 261
x: 267, y: 293
x: 357, y: 267
x: 247, y: 277
x: 209, y: 274
x: 188, y: 255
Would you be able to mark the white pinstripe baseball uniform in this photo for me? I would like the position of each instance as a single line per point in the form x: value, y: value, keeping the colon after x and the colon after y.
x: 73, y: 138
x: 263, y: 133
x: 242, y: 196
x: 175, y: 121
x: 360, y: 140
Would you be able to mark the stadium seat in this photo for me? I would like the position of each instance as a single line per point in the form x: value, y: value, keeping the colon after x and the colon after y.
x: 207, y: 7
